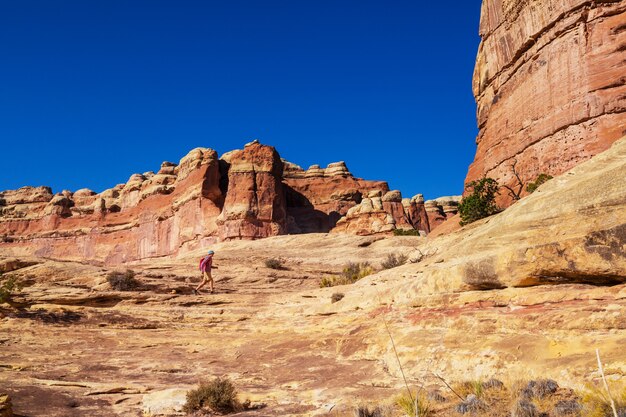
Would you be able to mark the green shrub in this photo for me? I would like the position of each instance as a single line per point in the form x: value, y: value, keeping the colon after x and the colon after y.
x: 351, y: 273
x: 542, y: 178
x: 481, y: 202
x: 393, y: 261
x: 219, y: 395
x: 8, y: 287
x: 123, y: 281
x: 406, y: 232
x: 274, y: 263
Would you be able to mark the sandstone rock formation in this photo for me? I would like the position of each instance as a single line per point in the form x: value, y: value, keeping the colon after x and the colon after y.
x: 550, y: 85
x: 441, y: 209
x: 580, y: 239
x: 521, y: 294
x: 378, y: 213
x: 317, y: 198
x: 245, y: 194
x: 255, y: 201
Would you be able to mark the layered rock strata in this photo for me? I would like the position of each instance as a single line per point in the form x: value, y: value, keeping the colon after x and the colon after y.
x: 255, y: 201
x: 245, y: 194
x: 317, y: 198
x: 550, y: 84
x: 378, y: 213
x: 151, y: 215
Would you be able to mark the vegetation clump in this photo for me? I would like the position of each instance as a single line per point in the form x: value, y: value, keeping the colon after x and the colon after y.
x: 218, y: 395
x: 414, y: 405
x: 406, y: 232
x: 123, y: 281
x: 596, y: 403
x: 393, y: 261
x: 274, y: 263
x: 541, y: 179
x: 337, y: 296
x: 366, y: 411
x: 8, y: 287
x: 481, y: 202
x: 351, y: 273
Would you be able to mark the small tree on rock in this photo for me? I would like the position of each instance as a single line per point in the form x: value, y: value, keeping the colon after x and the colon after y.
x: 481, y: 202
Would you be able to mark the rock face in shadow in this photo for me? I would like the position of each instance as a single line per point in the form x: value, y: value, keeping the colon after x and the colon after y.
x: 550, y: 84
x: 317, y: 198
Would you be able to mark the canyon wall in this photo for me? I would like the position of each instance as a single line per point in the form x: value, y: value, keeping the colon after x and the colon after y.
x: 246, y: 194
x: 550, y: 85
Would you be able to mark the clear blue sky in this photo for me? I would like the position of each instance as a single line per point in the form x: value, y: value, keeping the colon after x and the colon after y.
x: 94, y: 91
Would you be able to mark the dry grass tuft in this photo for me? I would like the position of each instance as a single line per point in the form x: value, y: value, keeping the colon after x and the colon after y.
x: 596, y: 403
x: 418, y: 406
x: 351, y: 273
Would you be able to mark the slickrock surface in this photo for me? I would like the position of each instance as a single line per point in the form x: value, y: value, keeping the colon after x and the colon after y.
x: 550, y: 83
x: 528, y: 293
x: 245, y: 194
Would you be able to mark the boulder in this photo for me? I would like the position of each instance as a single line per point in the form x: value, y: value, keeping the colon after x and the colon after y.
x: 164, y: 403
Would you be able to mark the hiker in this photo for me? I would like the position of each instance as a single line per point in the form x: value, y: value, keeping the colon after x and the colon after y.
x: 206, y: 264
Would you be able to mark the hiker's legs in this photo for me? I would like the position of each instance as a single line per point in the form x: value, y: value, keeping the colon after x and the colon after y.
x: 205, y: 279
x: 210, y: 281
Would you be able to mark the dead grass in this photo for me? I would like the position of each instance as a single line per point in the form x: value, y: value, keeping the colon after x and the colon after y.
x: 596, y: 403
x: 351, y: 273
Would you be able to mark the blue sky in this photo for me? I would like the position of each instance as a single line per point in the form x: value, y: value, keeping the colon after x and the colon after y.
x: 93, y: 92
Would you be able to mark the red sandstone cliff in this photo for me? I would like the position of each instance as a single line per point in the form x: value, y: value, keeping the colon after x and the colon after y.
x: 245, y: 194
x: 550, y: 84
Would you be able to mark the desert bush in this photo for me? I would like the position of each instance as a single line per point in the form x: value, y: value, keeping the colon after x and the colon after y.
x: 406, y: 232
x: 471, y: 405
x: 123, y: 281
x: 218, y: 395
x: 8, y: 287
x: 417, y: 406
x: 524, y: 408
x: 366, y: 411
x: 336, y: 297
x: 274, y: 263
x: 351, y: 273
x: 481, y: 202
x: 393, y: 261
x: 540, y: 388
x: 541, y: 178
x: 567, y: 408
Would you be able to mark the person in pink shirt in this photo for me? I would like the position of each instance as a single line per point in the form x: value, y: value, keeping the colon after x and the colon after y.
x: 206, y: 264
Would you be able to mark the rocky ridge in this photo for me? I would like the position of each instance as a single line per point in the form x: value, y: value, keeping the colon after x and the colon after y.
x: 246, y: 194
x: 527, y: 293
x: 550, y: 86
